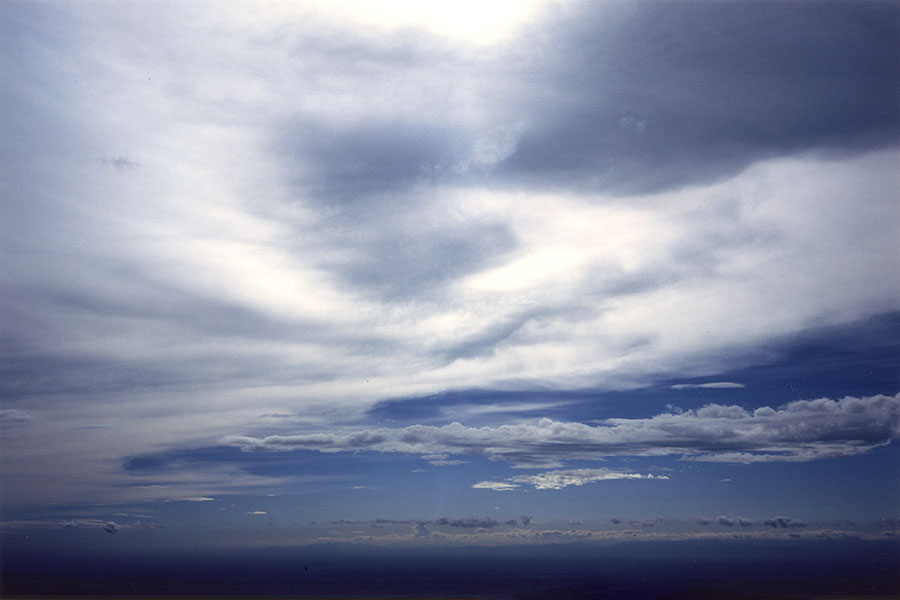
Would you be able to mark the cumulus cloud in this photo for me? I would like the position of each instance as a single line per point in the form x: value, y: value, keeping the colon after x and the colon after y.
x: 111, y: 527
x: 799, y: 431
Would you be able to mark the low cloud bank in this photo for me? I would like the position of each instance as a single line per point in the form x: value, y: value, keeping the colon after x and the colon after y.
x: 799, y: 431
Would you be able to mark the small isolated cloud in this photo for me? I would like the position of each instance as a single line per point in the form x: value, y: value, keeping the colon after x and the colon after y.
x: 714, y: 385
x: 420, y: 530
x: 257, y: 512
x: 198, y: 499
x: 497, y: 486
x: 120, y: 162
x: 111, y: 527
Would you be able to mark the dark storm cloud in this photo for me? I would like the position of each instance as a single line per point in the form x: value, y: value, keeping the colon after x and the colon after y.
x: 656, y: 95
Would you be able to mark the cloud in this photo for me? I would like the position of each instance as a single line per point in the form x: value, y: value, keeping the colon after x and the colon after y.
x: 799, y: 431
x: 782, y: 522
x: 715, y: 385
x: 696, y: 103
x: 497, y: 486
x: 111, y: 527
x: 269, y: 212
x: 556, y: 480
x: 14, y: 416
x: 729, y: 522
x: 469, y: 523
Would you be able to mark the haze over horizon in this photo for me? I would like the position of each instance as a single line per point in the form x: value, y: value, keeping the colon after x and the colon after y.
x: 290, y: 273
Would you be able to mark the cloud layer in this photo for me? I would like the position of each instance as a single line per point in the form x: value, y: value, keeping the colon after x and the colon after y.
x: 797, y: 432
x: 234, y: 221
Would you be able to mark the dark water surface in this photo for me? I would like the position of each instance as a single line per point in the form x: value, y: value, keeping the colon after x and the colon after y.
x: 671, y: 570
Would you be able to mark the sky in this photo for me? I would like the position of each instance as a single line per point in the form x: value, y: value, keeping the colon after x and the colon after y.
x: 282, y: 273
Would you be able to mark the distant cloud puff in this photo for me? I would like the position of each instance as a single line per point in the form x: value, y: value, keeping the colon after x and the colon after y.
x: 111, y: 528
x: 799, y: 431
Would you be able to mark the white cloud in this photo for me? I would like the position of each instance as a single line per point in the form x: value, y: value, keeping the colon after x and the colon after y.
x: 556, y: 480
x: 169, y: 268
x: 797, y: 432
x: 497, y: 486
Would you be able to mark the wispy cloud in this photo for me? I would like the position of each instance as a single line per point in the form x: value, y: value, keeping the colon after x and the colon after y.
x: 714, y: 385
x: 286, y: 216
x: 556, y: 480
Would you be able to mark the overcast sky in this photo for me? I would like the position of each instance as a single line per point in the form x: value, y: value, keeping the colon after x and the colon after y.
x: 463, y: 267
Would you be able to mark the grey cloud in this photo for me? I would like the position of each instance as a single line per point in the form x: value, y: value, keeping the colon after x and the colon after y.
x: 729, y: 522
x: 469, y: 523
x: 714, y: 385
x: 650, y: 95
x: 404, y: 256
x: 352, y: 162
x: 120, y: 163
x: 800, y: 431
x: 13, y: 416
x: 783, y: 522
x: 111, y: 527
